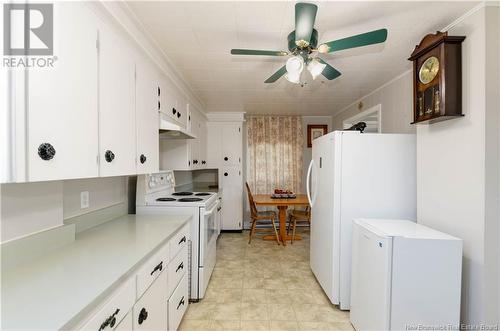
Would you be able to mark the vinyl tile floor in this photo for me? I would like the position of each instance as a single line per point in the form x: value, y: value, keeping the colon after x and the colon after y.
x: 263, y: 286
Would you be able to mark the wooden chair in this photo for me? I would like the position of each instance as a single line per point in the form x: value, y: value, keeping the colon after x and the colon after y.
x: 298, y: 215
x: 260, y: 216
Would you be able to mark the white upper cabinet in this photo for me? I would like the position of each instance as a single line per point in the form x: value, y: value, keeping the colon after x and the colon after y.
x: 62, y: 101
x: 117, y: 138
x: 224, y: 144
x: 147, y: 121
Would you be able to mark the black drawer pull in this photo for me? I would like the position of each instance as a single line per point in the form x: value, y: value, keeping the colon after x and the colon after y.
x: 181, y: 266
x: 158, y: 267
x: 178, y: 114
x: 226, y: 158
x: 143, y: 315
x: 174, y: 111
x: 183, y: 240
x: 181, y: 303
x: 226, y: 174
x: 142, y: 158
x: 111, y: 321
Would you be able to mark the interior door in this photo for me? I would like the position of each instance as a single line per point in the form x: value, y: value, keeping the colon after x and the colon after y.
x: 147, y: 121
x: 62, y: 100
x: 322, y: 217
x: 117, y: 138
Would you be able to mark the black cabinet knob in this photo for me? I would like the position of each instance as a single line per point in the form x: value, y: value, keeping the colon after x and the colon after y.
x: 143, y: 315
x: 159, y: 105
x: 109, y: 156
x: 142, y: 158
x: 46, y: 151
x: 181, y: 303
x: 226, y: 158
x: 174, y: 111
x: 178, y: 114
x: 203, y: 162
x: 226, y: 174
x: 159, y: 92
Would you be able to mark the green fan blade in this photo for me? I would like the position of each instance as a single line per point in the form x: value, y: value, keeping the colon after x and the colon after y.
x: 364, y: 39
x: 329, y: 72
x: 305, y: 15
x: 257, y: 52
x: 276, y: 75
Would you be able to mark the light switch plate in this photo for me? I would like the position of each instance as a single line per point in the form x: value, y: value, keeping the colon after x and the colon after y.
x: 84, y: 199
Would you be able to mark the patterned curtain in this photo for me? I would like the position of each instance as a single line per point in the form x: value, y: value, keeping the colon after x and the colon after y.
x: 275, y: 153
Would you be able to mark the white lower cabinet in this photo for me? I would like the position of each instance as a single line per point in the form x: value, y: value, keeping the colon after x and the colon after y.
x: 154, y: 298
x: 232, y: 186
x: 149, y: 312
x: 114, y: 310
x: 177, y: 304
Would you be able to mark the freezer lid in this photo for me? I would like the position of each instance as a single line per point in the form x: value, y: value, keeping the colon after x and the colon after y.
x: 402, y: 228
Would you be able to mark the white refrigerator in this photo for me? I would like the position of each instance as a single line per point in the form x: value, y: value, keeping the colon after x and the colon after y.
x: 404, y: 276
x: 355, y: 175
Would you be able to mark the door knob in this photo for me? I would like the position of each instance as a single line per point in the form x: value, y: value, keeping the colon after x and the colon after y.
x: 46, y: 151
x: 109, y: 156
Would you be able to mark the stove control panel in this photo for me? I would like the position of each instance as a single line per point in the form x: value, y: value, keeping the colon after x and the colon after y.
x: 164, y: 180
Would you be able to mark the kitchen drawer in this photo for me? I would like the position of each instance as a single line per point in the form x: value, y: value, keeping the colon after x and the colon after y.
x: 114, y: 310
x: 177, y: 304
x: 179, y: 241
x: 150, y: 312
x: 176, y: 269
x: 152, y: 268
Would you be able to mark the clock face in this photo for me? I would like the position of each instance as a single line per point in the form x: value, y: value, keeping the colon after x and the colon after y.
x: 428, y: 70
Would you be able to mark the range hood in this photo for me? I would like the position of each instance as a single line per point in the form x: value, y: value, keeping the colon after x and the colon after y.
x: 171, y: 130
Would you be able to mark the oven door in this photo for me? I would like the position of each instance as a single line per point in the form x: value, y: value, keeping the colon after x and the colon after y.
x: 208, y: 242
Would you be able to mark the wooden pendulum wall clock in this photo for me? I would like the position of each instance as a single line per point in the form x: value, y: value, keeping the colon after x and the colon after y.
x: 437, y: 78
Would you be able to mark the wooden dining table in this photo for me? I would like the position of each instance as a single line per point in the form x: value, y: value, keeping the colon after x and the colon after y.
x: 282, y: 204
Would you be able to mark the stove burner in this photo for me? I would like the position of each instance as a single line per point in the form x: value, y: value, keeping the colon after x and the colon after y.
x: 182, y: 193
x: 190, y: 199
x: 203, y: 194
x: 165, y: 199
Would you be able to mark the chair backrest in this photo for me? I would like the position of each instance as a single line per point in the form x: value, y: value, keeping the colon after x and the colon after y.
x: 253, y: 207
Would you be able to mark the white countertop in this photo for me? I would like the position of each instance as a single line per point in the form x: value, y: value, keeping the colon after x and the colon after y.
x: 52, y: 292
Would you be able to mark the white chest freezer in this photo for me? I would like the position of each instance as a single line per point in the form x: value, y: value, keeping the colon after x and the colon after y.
x: 404, y: 276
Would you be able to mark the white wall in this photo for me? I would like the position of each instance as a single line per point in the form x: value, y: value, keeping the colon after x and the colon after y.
x: 32, y: 207
x: 455, y: 161
x: 307, y: 152
x: 396, y: 100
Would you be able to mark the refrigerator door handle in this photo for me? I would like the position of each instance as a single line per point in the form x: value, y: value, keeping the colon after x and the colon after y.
x: 308, y: 181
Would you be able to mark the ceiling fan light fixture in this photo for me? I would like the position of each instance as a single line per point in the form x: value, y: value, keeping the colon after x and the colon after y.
x: 293, y: 77
x: 315, y: 68
x: 295, y: 65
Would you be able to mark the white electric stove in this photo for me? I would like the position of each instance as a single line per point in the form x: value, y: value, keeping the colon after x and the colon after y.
x: 155, y: 195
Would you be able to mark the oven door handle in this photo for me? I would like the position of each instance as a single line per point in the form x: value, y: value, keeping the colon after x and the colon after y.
x: 211, y: 211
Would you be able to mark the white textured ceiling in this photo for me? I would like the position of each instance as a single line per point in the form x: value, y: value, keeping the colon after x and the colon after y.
x: 197, y: 38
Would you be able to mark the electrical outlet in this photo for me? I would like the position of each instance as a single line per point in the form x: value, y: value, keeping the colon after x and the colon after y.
x: 84, y: 199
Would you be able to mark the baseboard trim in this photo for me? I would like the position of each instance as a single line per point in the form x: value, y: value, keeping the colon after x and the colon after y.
x: 231, y: 231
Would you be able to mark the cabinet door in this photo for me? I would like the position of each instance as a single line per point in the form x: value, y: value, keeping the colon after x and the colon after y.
x: 150, y: 312
x: 182, y: 110
x: 147, y: 118
x: 62, y: 100
x: 233, y: 196
x: 214, y: 144
x: 116, y: 104
x: 126, y: 324
x: 168, y: 103
x: 231, y: 144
